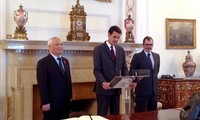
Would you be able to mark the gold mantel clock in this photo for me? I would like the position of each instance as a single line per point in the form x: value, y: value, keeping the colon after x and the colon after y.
x: 78, y: 24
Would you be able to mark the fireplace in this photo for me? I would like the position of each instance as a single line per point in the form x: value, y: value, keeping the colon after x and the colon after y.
x: 20, y: 58
x: 83, y: 101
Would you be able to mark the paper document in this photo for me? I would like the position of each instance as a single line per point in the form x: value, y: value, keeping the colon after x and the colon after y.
x: 87, y: 117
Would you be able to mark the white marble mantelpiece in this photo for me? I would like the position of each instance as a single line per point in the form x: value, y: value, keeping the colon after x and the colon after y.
x: 13, y: 44
x: 18, y: 71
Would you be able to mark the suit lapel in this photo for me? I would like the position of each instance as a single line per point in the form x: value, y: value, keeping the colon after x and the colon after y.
x: 155, y: 59
x: 117, y: 54
x: 65, y: 63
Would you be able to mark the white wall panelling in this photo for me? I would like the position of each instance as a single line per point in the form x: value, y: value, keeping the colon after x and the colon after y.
x: 47, y: 19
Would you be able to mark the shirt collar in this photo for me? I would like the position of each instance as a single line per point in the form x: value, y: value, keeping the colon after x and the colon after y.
x: 147, y: 53
x: 109, y: 45
x: 55, y: 57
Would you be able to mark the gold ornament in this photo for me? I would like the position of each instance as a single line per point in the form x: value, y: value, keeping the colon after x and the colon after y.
x: 78, y: 24
x: 129, y: 26
x: 20, y: 17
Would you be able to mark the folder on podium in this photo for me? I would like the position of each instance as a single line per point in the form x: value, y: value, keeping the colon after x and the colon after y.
x: 125, y: 81
x: 121, y: 81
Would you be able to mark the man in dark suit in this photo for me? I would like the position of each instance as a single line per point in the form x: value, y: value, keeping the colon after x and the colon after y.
x: 109, y: 61
x: 147, y: 89
x: 54, y: 81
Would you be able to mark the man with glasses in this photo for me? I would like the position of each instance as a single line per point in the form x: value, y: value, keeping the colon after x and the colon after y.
x: 147, y: 89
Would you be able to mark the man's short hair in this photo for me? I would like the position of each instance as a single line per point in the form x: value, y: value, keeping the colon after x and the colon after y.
x: 114, y: 28
x: 49, y: 43
x: 148, y: 38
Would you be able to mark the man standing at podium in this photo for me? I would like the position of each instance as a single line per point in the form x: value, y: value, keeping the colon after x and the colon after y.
x: 147, y: 89
x: 109, y: 61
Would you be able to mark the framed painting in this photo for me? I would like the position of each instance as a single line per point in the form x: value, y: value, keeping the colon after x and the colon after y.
x: 180, y: 33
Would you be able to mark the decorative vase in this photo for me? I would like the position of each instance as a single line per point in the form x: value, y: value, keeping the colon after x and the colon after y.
x: 189, y: 66
x: 20, y: 17
x: 129, y: 26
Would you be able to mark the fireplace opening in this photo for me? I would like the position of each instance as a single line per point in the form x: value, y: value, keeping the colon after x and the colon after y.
x: 83, y: 102
x: 83, y: 107
x: 37, y: 111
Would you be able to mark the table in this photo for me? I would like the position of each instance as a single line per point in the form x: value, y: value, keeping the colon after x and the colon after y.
x: 167, y: 114
x: 175, y: 93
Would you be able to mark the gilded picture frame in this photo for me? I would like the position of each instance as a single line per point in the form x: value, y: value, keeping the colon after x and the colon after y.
x: 180, y: 33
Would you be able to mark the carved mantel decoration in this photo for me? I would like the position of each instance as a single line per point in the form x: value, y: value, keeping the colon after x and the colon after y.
x: 78, y: 24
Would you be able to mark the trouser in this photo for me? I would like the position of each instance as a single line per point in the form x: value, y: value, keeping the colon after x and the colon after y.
x: 146, y: 103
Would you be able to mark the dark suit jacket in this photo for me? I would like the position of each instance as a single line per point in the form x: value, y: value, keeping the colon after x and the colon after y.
x: 146, y: 87
x: 54, y: 87
x: 105, y: 68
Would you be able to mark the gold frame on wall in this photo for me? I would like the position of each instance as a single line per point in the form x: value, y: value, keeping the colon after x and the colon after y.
x: 180, y: 33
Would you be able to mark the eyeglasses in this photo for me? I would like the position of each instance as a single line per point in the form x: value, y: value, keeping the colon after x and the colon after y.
x: 148, y: 44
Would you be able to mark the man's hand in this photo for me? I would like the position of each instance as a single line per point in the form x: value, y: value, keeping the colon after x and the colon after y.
x: 106, y: 85
x: 46, y: 107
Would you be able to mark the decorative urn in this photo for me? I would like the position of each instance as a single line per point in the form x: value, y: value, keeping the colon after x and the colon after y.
x: 189, y: 66
x: 129, y: 26
x: 20, y: 17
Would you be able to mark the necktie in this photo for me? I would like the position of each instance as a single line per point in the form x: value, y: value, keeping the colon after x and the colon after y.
x: 112, y: 52
x: 60, y: 64
x: 149, y: 60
